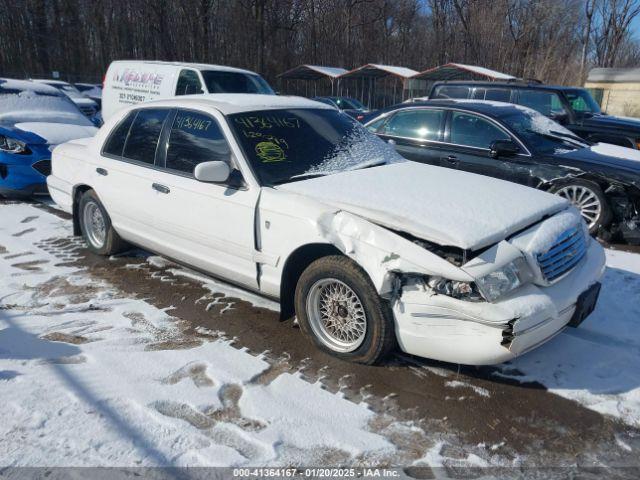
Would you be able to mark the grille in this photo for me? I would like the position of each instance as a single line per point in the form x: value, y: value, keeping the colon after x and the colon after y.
x: 43, y: 167
x: 567, y: 251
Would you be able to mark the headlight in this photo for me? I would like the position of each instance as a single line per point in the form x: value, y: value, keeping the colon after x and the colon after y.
x: 452, y: 288
x: 503, y: 280
x: 11, y: 145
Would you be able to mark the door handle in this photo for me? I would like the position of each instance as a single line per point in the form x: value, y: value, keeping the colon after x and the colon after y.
x: 450, y: 159
x: 102, y: 171
x: 160, y: 188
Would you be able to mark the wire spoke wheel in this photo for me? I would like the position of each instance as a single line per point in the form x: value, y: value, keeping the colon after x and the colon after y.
x: 336, y: 315
x: 585, y: 200
x: 94, y: 224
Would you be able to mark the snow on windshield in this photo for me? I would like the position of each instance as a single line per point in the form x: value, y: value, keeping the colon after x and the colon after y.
x: 359, y: 149
x: 541, y: 124
x: 535, y: 120
x: 31, y: 107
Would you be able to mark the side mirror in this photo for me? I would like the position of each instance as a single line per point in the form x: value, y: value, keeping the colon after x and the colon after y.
x: 503, y: 148
x: 215, y: 172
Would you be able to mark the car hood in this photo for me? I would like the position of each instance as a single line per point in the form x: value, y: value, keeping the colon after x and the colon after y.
x: 613, y: 122
x: 53, y: 133
x: 432, y: 203
x: 605, y: 154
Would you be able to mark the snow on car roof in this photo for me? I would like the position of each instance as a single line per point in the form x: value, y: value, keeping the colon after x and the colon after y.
x: 23, y: 108
x: 487, y: 72
x: 49, y: 81
x: 198, y: 66
x: 230, y: 103
x: 28, y: 85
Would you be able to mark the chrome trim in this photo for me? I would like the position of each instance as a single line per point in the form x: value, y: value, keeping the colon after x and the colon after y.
x: 542, y: 322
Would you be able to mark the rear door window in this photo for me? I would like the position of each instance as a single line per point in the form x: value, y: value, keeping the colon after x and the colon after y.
x: 452, y: 91
x: 144, y: 134
x: 115, y: 142
x: 195, y: 138
x: 474, y: 131
x: 417, y: 124
x: 188, y: 83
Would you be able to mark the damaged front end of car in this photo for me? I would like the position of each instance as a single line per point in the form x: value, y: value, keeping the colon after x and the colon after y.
x: 473, y: 307
x: 624, y: 201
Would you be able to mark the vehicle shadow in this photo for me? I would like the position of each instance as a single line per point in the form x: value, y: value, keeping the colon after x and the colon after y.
x: 18, y: 344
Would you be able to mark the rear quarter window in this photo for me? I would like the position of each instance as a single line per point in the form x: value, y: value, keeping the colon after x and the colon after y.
x: 115, y: 142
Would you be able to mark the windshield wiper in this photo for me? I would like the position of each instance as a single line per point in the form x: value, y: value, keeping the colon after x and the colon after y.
x: 567, y: 135
x: 563, y: 137
x: 370, y: 165
x: 297, y: 178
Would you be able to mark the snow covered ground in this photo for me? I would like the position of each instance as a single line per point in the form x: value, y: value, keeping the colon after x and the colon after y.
x: 598, y: 364
x: 89, y: 376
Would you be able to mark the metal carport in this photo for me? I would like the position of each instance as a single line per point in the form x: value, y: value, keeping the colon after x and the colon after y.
x: 298, y: 79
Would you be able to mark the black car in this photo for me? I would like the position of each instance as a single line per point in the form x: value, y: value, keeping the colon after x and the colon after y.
x: 518, y: 144
x: 572, y: 107
x: 348, y: 105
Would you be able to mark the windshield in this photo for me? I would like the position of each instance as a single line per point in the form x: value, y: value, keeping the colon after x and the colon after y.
x: 581, y: 101
x: 235, y: 82
x: 293, y: 144
x: 539, y: 132
x: 30, y: 107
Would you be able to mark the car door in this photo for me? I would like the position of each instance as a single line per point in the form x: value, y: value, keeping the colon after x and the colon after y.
x: 123, y: 175
x: 469, y: 137
x: 207, y: 225
x: 415, y: 133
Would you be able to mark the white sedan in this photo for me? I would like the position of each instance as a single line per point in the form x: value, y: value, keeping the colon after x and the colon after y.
x: 296, y: 201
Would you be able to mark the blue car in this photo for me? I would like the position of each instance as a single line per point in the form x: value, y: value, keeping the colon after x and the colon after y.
x: 34, y: 119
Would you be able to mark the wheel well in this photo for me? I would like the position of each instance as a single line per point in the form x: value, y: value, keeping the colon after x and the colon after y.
x: 599, y: 181
x: 296, y: 263
x: 77, y: 193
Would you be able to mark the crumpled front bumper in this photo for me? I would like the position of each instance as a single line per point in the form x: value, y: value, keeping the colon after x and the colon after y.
x: 481, y: 333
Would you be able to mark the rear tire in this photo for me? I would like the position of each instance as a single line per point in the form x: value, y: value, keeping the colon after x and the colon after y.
x: 589, y: 199
x: 340, y: 311
x: 95, y: 225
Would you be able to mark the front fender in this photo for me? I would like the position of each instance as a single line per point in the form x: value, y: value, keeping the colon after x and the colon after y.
x: 381, y: 252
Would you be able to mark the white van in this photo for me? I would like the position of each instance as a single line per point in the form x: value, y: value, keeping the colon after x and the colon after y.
x: 128, y: 82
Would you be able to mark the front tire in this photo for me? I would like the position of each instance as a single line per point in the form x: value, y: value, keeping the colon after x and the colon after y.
x: 590, y: 200
x: 340, y: 311
x: 95, y: 225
